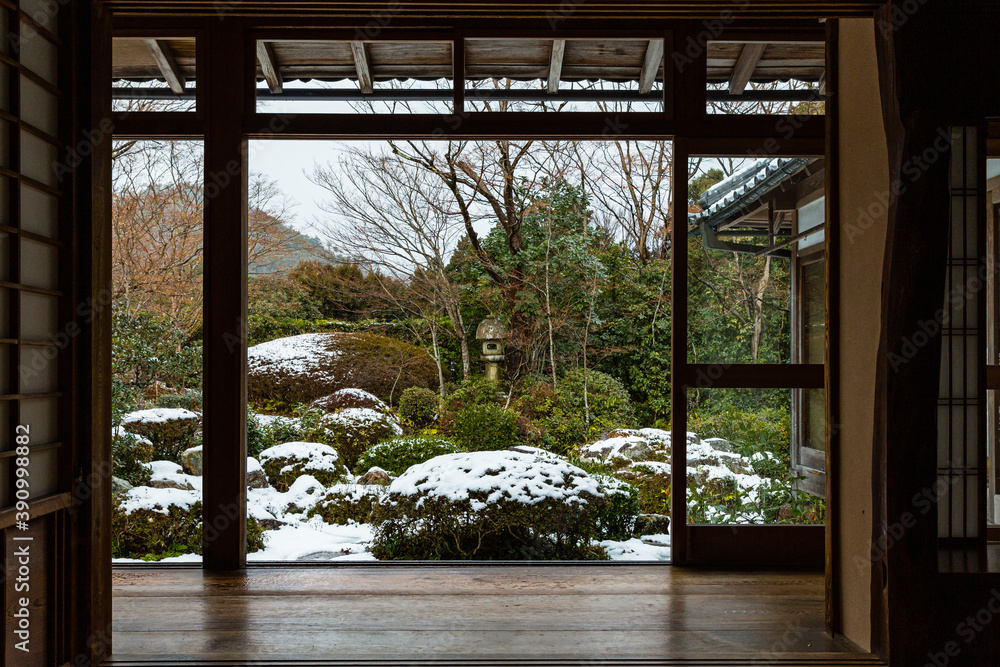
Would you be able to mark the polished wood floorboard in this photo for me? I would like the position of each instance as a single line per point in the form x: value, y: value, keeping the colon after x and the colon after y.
x: 582, y: 614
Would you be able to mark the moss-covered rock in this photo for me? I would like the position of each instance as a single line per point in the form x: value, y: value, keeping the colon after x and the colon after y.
x: 491, y: 505
x: 304, y: 368
x: 398, y: 454
x: 285, y: 463
x: 171, y: 430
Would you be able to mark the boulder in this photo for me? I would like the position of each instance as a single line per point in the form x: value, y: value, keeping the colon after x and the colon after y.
x: 119, y: 486
x: 720, y: 444
x: 191, y: 461
x: 256, y: 477
x: 375, y: 476
x: 309, y: 367
x: 651, y: 524
x: 170, y: 484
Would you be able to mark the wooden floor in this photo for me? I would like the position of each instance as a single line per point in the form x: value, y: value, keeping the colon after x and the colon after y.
x: 536, y: 614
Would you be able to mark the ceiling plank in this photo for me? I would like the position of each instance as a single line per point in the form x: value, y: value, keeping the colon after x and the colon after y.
x: 269, y: 66
x: 167, y: 64
x: 555, y: 64
x: 651, y: 65
x: 362, y: 66
x: 744, y: 67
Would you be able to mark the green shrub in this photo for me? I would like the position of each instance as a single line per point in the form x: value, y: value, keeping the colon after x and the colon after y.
x: 619, y: 509
x: 395, y: 456
x: 476, y: 391
x: 490, y: 506
x: 765, y: 430
x: 345, y: 503
x: 485, y: 428
x: 288, y: 461
x: 350, y: 431
x: 189, y: 399
x: 557, y: 418
x: 171, y: 430
x: 418, y: 407
x: 128, y: 453
x: 152, y: 531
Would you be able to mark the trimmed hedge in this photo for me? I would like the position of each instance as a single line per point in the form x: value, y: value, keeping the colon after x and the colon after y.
x: 419, y: 407
x: 397, y: 455
x: 345, y: 503
x: 485, y: 428
x: 286, y: 462
x: 332, y: 361
x: 350, y: 431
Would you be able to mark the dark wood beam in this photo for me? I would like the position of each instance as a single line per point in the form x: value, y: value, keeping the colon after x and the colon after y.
x: 651, y: 65
x: 555, y: 65
x: 225, y: 298
x: 269, y: 66
x: 362, y: 66
x: 165, y: 61
x: 744, y: 67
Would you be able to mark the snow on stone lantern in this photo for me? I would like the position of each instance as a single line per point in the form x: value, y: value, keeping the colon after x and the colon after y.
x: 492, y: 333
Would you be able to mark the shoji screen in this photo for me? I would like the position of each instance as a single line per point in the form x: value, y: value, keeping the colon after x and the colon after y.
x: 962, y: 396
x: 32, y: 334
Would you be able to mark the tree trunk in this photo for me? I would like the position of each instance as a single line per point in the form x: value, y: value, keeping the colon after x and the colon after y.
x: 758, y: 309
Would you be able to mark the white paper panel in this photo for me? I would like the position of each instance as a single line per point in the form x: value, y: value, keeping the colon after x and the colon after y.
x: 44, y: 12
x: 39, y: 265
x: 42, y: 415
x: 39, y: 370
x: 39, y: 55
x: 39, y: 107
x: 39, y: 212
x: 39, y: 316
x: 38, y: 159
x: 44, y: 470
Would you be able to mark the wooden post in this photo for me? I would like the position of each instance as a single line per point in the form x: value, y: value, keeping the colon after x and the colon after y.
x: 678, y: 354
x: 225, y: 298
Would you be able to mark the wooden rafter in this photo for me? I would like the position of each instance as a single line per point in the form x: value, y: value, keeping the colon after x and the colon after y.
x: 362, y: 66
x: 745, y: 65
x: 555, y: 64
x: 269, y: 66
x: 651, y: 65
x: 167, y: 64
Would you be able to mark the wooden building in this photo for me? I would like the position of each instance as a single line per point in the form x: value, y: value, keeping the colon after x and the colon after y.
x: 909, y: 367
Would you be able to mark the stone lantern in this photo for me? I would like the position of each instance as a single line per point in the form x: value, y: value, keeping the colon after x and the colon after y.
x: 492, y: 333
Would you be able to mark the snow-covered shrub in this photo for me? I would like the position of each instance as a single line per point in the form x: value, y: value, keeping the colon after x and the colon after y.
x: 304, y: 368
x: 481, y: 428
x: 348, y: 502
x: 491, y: 505
x: 398, y: 454
x: 128, y: 454
x: 618, y: 512
x: 350, y: 397
x: 152, y: 524
x: 287, y: 462
x: 350, y: 431
x: 418, y: 407
x: 171, y: 430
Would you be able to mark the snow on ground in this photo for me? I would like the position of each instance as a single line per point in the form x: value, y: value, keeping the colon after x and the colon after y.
x: 294, y: 354
x: 158, y: 500
x: 158, y: 415
x: 315, y: 540
x: 637, y: 548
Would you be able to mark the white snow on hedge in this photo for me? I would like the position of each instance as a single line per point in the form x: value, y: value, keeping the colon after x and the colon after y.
x: 360, y: 395
x: 318, y: 455
x: 502, y: 475
x: 269, y: 420
x: 631, y: 440
x: 290, y: 506
x: 293, y: 354
x: 362, y: 418
x: 159, y: 415
x: 158, y: 500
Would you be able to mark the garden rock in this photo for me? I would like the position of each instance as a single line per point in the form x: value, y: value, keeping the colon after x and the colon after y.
x: 651, y: 524
x: 119, y: 486
x: 170, y: 484
x: 191, y: 460
x: 256, y: 477
x: 375, y: 476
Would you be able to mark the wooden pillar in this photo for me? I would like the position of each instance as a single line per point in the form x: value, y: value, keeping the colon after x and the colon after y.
x: 678, y: 356
x: 225, y: 298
